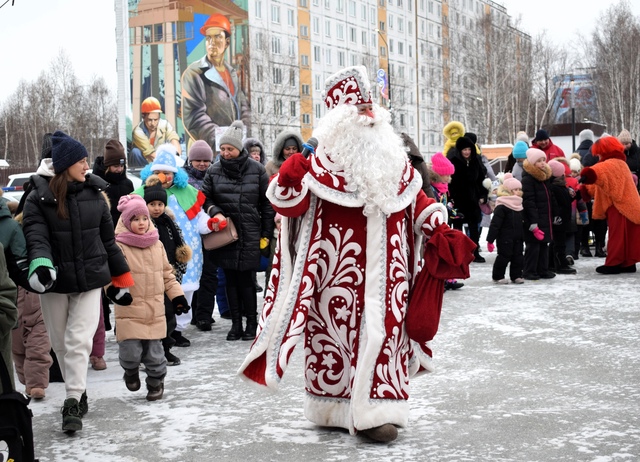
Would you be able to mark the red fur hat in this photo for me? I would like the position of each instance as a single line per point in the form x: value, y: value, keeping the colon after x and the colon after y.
x: 608, y: 148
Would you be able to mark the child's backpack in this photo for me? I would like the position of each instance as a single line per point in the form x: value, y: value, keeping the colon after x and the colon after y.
x: 16, y: 431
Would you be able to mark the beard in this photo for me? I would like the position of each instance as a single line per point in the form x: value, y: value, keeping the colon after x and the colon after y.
x: 369, y: 152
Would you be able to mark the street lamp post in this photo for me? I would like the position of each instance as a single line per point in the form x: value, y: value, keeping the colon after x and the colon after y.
x: 573, y: 118
x: 388, y: 66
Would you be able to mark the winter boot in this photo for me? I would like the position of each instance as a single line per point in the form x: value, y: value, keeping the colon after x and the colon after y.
x: 477, y: 259
x: 155, y: 393
x: 250, y: 331
x: 84, y: 404
x: 132, y: 380
x: 600, y: 250
x: 172, y: 360
x: 384, y: 433
x: 236, y: 316
x: 249, y: 308
x: 585, y: 251
x: 71, y: 416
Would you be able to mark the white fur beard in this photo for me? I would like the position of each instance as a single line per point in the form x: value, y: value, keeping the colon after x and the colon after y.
x: 370, y: 153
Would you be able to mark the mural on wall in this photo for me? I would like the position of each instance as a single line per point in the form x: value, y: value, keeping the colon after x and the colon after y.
x: 583, y: 99
x: 191, y: 56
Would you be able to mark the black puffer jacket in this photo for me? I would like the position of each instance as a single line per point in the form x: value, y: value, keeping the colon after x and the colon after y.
x: 584, y: 148
x: 633, y: 158
x: 82, y: 248
x: 119, y: 185
x: 466, y: 188
x: 537, y: 200
x: 237, y: 188
x: 562, y: 199
x: 506, y: 226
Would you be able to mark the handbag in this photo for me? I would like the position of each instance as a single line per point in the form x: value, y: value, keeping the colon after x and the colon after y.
x: 217, y: 239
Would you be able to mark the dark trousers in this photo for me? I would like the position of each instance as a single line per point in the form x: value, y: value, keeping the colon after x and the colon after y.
x: 206, y: 294
x: 241, y: 292
x: 536, y: 258
x: 474, y: 229
x: 509, y: 252
x: 170, y: 317
x: 558, y: 248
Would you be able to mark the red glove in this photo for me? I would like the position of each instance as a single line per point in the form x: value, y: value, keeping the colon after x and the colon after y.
x: 293, y: 170
x: 538, y: 234
x: 213, y: 221
x: 588, y: 176
x: 490, y: 247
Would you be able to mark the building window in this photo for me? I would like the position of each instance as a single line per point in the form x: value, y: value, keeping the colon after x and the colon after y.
x: 390, y: 19
x: 277, y: 107
x: 340, y: 7
x: 304, y: 60
x: 364, y: 37
x: 306, y: 119
x: 259, y: 73
x: 275, y: 45
x: 292, y: 77
x: 318, y: 111
x: 327, y: 28
x: 304, y: 3
x: 400, y: 48
x: 291, y: 21
x: 292, y: 108
x: 316, y: 54
x: 341, y: 58
x: 304, y: 31
x: 363, y: 13
x: 340, y: 31
x: 306, y: 89
x: 277, y: 75
x: 352, y: 34
x: 383, y: 51
x: 275, y: 14
x: 316, y: 25
x: 260, y: 106
x: 390, y: 45
x: 352, y: 8
x: 327, y: 56
x: 258, y: 9
x: 381, y: 26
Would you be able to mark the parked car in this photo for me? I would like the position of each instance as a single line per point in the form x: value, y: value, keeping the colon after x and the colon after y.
x: 14, y: 188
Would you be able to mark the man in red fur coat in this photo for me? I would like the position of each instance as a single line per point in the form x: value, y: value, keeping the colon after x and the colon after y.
x: 348, y: 256
x: 615, y: 198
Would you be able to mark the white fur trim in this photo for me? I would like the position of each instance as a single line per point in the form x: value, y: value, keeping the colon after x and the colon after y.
x: 285, y: 197
x: 427, y: 213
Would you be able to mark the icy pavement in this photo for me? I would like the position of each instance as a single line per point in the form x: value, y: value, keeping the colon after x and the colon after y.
x: 544, y: 371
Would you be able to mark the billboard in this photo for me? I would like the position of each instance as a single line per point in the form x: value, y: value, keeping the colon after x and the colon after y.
x: 580, y: 95
x: 191, y: 55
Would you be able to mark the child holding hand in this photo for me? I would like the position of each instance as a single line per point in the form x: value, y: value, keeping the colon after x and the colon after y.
x: 507, y: 231
x: 141, y: 325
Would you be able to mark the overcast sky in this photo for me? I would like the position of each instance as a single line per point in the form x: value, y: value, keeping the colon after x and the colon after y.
x: 33, y: 31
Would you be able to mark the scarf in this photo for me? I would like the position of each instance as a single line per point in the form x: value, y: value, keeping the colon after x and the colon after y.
x: 189, y: 199
x: 141, y: 241
x: 442, y: 188
x: 511, y: 202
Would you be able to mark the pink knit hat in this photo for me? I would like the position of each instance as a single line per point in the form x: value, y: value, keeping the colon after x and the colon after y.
x: 557, y: 169
x: 534, y: 154
x: 511, y: 183
x: 441, y: 165
x: 132, y: 206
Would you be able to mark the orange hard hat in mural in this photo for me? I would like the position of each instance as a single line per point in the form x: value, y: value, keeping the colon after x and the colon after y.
x: 216, y: 20
x: 150, y: 104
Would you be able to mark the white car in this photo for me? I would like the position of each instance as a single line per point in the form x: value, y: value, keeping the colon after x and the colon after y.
x: 14, y: 188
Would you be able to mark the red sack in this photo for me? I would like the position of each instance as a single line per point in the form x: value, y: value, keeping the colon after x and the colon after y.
x: 447, y: 256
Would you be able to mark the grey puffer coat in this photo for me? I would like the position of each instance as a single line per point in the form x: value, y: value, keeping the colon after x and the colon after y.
x: 82, y: 248
x: 237, y: 188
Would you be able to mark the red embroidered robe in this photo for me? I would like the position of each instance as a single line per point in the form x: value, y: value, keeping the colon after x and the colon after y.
x: 344, y: 284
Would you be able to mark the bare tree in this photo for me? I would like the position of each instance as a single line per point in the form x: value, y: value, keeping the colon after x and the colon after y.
x: 613, y: 56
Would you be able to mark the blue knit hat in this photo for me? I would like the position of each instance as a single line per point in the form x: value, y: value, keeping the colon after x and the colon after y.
x: 165, y: 160
x: 65, y: 151
x: 520, y: 150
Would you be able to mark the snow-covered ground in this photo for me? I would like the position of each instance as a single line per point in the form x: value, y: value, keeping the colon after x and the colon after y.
x: 544, y: 371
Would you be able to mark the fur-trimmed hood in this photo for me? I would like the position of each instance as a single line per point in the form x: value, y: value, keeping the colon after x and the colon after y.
x: 277, y: 157
x: 536, y: 172
x: 251, y: 142
x: 452, y: 131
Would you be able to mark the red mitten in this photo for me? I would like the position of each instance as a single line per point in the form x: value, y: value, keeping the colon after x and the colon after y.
x: 588, y: 176
x: 293, y: 170
x: 491, y: 247
x: 211, y: 222
x: 538, y: 234
x: 222, y: 225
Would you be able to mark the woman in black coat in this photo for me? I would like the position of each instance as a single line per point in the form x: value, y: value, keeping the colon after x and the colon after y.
x: 72, y: 254
x: 466, y: 188
x: 235, y: 187
x: 538, y: 203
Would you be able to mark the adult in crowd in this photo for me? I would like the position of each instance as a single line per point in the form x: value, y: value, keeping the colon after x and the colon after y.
x: 354, y: 217
x: 235, y: 188
x: 287, y: 143
x: 8, y: 316
x: 211, y: 94
x: 151, y: 132
x: 544, y: 143
x: 486, y: 165
x: 585, y: 138
x: 73, y: 254
x: 631, y: 152
x: 203, y: 303
x: 185, y: 202
x: 418, y: 163
x: 466, y: 189
x: 112, y: 168
x: 615, y: 198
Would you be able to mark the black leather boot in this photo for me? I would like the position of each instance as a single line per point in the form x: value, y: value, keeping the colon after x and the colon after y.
x: 236, y: 316
x: 600, y: 250
x: 249, y: 307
